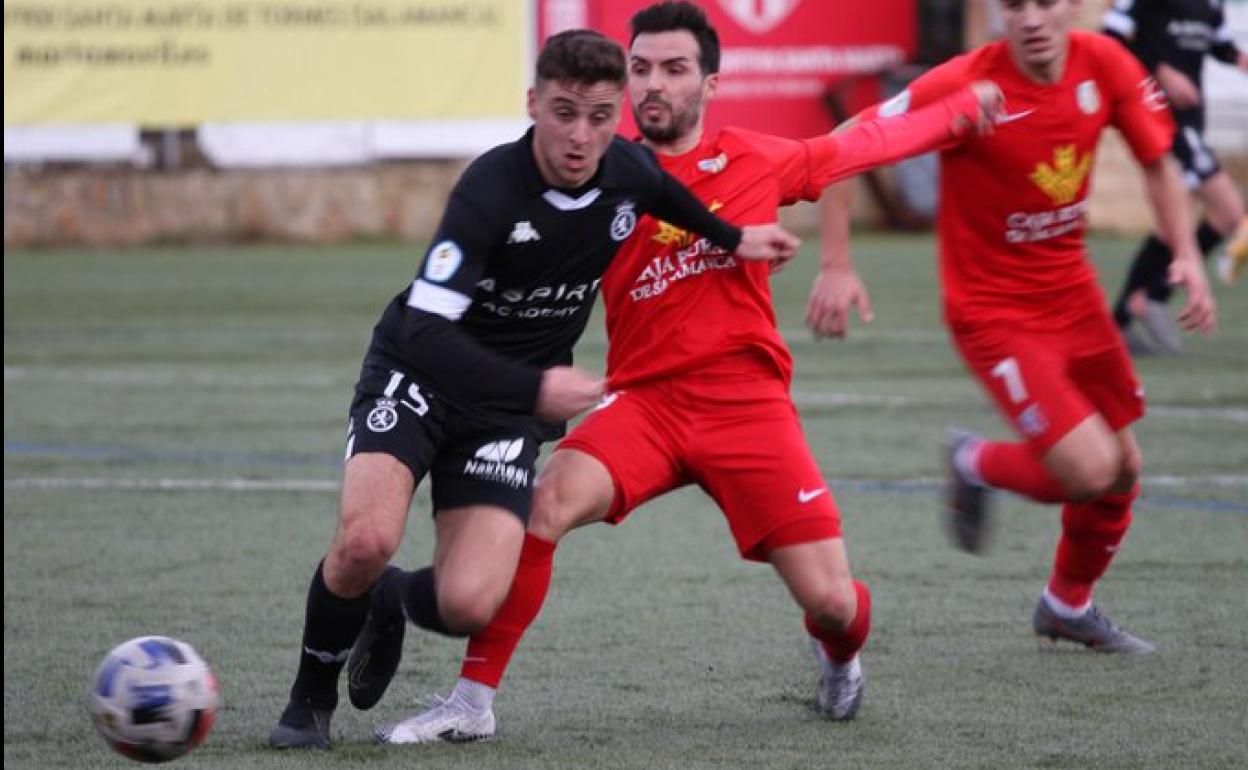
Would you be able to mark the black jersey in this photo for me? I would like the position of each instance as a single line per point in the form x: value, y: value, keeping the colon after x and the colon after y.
x: 1177, y: 32
x: 510, y: 277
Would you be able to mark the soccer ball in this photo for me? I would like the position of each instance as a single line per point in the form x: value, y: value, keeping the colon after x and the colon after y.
x: 153, y: 698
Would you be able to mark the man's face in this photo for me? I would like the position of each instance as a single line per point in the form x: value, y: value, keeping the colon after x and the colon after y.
x: 666, y: 86
x: 1037, y: 30
x: 573, y: 126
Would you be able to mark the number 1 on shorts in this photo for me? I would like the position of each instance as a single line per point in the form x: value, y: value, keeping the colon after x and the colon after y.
x: 1008, y: 371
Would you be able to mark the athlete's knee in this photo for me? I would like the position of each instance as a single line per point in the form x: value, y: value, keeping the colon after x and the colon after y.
x: 834, y: 604
x: 1129, y: 470
x: 556, y: 509
x: 467, y: 606
x: 361, y: 550
x: 1096, y: 473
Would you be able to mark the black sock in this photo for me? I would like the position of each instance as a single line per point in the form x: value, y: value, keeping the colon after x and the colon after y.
x: 1152, y: 259
x: 416, y: 594
x: 330, y: 626
x: 1207, y: 239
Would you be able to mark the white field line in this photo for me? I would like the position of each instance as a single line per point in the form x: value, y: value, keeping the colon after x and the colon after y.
x: 209, y: 378
x: 331, y: 485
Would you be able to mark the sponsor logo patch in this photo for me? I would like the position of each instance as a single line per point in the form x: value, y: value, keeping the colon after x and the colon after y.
x: 443, y: 260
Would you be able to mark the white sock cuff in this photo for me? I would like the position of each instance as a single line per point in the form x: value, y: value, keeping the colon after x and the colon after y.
x: 478, y: 696
x: 1062, y: 609
x: 966, y: 460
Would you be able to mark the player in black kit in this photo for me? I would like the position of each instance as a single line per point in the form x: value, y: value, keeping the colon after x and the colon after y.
x: 469, y: 370
x: 1172, y: 39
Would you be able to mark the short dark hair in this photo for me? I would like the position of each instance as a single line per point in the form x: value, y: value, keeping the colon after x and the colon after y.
x: 672, y: 15
x: 581, y: 56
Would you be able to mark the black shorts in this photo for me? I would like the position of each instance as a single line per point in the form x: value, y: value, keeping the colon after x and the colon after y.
x: 1194, y: 156
x: 472, y: 460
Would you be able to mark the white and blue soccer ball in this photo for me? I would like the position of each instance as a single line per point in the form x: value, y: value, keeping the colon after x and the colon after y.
x: 153, y: 698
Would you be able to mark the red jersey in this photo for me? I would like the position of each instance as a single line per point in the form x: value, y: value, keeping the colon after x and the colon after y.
x: 675, y: 302
x: 1013, y: 205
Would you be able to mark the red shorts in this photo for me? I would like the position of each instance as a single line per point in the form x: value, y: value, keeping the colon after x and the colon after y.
x: 731, y: 429
x: 1047, y: 381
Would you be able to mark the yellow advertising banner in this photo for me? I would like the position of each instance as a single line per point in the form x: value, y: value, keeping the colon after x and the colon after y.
x: 175, y: 63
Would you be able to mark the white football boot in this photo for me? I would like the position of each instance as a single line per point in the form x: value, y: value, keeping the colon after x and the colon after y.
x: 447, y: 719
x: 840, y: 686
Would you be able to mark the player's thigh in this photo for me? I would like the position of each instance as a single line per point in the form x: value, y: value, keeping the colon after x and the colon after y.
x: 573, y: 489
x: 1223, y: 203
x: 754, y: 461
x: 392, y: 437
x: 817, y: 575
x: 1086, y: 460
x: 638, y: 439
x: 1026, y: 376
x: 1196, y: 158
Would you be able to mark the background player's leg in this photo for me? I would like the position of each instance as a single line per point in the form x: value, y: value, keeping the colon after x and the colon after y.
x: 1092, y: 532
x: 376, y: 493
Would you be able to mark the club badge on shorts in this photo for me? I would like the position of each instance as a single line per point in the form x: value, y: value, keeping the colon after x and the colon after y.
x: 383, y: 417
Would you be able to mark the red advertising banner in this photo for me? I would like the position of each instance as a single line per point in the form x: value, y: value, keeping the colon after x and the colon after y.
x: 779, y: 57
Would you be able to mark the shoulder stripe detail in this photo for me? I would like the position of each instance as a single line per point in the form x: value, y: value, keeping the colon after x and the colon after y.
x: 438, y: 300
x: 565, y: 202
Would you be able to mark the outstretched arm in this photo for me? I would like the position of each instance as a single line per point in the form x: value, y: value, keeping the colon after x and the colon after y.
x: 883, y: 139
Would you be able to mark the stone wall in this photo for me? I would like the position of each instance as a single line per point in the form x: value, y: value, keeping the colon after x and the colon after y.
x: 121, y: 206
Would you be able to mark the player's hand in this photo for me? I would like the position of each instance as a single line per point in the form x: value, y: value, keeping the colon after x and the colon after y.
x: 834, y: 292
x: 567, y: 391
x: 1199, y: 312
x: 991, y: 104
x: 768, y: 242
x: 1179, y: 88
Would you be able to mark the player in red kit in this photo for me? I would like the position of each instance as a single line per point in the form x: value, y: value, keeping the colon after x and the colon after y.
x: 1022, y: 302
x: 698, y: 374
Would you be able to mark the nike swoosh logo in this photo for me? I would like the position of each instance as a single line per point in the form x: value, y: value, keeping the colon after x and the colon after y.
x: 1011, y: 117
x: 805, y: 497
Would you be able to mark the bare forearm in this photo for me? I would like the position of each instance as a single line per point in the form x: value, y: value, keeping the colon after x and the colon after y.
x: 1171, y: 208
x: 834, y: 252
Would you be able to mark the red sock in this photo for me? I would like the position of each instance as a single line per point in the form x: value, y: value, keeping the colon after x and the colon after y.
x: 490, y: 649
x: 1015, y: 467
x: 842, y: 646
x: 1091, y: 533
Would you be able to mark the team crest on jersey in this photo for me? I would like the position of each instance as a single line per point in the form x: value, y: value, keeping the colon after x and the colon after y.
x: 1088, y: 97
x: 1151, y: 95
x: 714, y: 165
x: 1062, y: 180
x: 443, y: 260
x: 383, y: 417
x: 624, y: 222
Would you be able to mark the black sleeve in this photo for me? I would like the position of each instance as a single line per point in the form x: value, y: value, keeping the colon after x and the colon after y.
x: 430, y: 338
x: 1223, y: 48
x: 1131, y: 22
x: 675, y: 204
x: 465, y: 370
